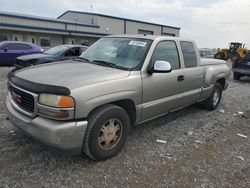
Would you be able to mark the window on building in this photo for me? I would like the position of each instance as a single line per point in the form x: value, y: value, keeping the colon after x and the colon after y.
x: 3, y: 37
x: 45, y: 42
x: 146, y: 32
x: 167, y: 51
x: 92, y: 21
x: 189, y: 55
x: 18, y: 47
x: 168, y: 34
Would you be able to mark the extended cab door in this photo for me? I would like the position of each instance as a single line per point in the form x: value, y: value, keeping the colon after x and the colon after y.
x: 193, y: 73
x: 162, y: 92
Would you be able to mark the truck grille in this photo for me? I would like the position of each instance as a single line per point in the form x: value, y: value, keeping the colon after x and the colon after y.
x: 22, y: 99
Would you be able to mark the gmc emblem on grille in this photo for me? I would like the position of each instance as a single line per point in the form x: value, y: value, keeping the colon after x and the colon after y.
x: 17, y: 98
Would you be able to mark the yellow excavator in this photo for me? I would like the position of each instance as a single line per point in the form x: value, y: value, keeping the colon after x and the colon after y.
x: 236, y: 52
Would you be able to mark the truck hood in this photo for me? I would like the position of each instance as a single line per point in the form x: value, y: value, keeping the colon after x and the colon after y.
x: 70, y: 74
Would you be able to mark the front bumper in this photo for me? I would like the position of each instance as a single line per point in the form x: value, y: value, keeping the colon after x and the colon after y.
x: 62, y: 135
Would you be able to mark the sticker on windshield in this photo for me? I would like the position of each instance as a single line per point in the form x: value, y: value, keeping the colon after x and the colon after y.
x: 137, y: 43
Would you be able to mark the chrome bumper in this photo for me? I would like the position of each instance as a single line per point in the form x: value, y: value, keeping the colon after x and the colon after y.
x: 62, y: 135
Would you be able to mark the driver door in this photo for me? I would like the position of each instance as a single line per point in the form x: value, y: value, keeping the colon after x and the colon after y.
x: 162, y: 92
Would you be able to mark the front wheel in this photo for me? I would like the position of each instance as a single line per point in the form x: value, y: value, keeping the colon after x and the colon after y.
x: 107, y: 132
x: 214, y: 100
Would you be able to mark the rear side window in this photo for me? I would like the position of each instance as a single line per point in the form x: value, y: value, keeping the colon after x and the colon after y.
x: 18, y: 47
x: 167, y: 51
x: 189, y: 54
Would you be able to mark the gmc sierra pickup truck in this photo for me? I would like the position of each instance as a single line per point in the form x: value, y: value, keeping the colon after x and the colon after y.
x: 88, y: 104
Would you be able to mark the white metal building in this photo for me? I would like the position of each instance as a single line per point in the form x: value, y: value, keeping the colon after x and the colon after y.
x: 73, y: 27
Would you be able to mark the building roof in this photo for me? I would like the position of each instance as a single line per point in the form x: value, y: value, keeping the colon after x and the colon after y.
x: 114, y: 17
x: 150, y: 37
x: 59, y: 20
x: 46, y: 19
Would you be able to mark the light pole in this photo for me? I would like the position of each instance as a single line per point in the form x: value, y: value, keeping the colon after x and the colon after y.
x: 75, y: 28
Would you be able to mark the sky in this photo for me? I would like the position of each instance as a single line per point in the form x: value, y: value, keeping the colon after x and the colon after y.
x: 211, y: 23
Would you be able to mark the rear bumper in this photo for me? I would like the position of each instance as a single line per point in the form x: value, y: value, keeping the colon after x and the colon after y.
x: 242, y: 71
x: 62, y: 135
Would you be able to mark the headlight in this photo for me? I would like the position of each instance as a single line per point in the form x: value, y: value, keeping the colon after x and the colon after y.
x: 56, y: 101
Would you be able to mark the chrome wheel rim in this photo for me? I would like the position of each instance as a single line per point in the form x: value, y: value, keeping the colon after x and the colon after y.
x: 110, y: 134
x: 216, y: 97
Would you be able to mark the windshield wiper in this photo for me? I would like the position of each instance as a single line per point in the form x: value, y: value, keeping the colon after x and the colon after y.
x: 109, y: 64
x: 100, y: 62
x: 82, y: 59
x: 105, y: 63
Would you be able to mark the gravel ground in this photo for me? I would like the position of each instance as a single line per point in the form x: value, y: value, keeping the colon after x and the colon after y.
x: 202, y: 150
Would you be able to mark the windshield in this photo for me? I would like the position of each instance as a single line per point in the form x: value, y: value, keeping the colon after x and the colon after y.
x: 1, y: 45
x: 56, y: 50
x: 127, y: 53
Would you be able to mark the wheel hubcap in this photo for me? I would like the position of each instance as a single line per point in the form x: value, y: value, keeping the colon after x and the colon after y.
x: 216, y: 97
x: 110, y: 134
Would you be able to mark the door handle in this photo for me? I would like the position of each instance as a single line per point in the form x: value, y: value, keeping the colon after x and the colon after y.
x: 180, y: 78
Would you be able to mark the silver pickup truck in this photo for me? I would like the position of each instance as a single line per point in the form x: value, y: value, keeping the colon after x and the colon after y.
x: 88, y: 104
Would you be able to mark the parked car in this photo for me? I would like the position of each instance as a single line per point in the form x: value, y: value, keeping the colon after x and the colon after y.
x: 10, y: 50
x: 58, y: 53
x: 241, y: 68
x: 206, y: 53
x: 118, y: 82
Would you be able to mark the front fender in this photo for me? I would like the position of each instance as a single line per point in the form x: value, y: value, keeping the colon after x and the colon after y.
x: 84, y: 108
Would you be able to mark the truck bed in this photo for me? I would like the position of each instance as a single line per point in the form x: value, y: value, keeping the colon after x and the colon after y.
x: 210, y: 61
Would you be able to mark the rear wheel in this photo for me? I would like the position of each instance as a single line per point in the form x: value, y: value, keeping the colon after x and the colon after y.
x: 237, y: 76
x: 214, y: 100
x: 107, y: 132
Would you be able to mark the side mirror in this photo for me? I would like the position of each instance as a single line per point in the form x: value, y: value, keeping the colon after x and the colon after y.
x: 5, y: 49
x: 162, y: 67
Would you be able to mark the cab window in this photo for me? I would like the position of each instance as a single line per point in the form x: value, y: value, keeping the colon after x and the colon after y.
x: 189, y: 54
x: 167, y: 51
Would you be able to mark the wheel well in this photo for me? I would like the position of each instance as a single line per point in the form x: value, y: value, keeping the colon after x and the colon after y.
x: 129, y: 107
x: 222, y: 82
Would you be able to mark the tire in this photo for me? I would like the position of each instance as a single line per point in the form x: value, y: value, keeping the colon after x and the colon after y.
x: 107, y: 132
x: 219, y: 55
x: 237, y: 76
x: 212, y: 102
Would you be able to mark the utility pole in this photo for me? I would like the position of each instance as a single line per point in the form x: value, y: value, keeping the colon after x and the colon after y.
x: 75, y: 28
